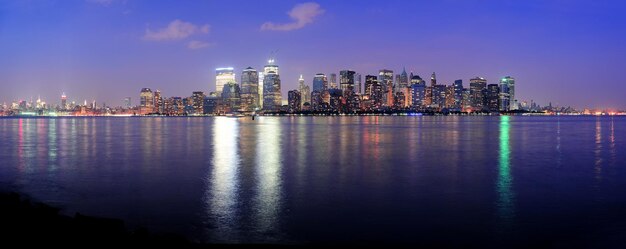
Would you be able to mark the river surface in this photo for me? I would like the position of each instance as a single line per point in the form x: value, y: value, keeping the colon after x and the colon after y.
x: 422, y: 180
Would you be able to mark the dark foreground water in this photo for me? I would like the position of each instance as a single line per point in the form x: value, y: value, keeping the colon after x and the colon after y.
x: 460, y: 181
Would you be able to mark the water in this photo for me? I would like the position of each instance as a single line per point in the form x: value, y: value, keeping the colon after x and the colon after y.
x: 439, y: 181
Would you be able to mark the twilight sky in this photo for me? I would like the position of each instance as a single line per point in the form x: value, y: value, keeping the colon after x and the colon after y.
x: 565, y: 51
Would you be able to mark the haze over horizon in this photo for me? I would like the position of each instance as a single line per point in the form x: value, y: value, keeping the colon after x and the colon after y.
x: 567, y: 52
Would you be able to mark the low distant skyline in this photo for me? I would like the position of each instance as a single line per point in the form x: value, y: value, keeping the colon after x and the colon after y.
x: 567, y: 52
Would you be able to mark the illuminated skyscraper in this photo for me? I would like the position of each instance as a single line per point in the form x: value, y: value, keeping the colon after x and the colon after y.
x: 346, y: 82
x: 270, y: 67
x: 493, y: 95
x: 320, y: 82
x: 261, y: 78
x: 223, y: 75
x: 385, y: 79
x: 249, y: 89
x: 402, y: 81
x: 294, y: 101
x: 305, y: 91
x: 128, y: 103
x: 433, y: 79
x: 478, y: 93
x: 507, y: 94
x: 358, y: 86
x: 333, y: 81
x: 63, y: 101
x: 158, y: 102
x: 458, y: 94
x: 198, y: 102
x: 418, y: 92
x: 272, y: 99
x: 146, y: 101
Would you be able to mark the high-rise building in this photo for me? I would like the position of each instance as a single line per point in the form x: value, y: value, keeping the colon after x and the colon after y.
x: 63, y: 102
x: 294, y: 101
x: 128, y: 103
x: 458, y: 94
x: 198, y: 102
x: 478, y: 93
x: 493, y: 97
x: 249, y: 89
x: 402, y: 81
x: 333, y: 81
x: 305, y: 91
x: 261, y: 79
x: 418, y: 92
x: 270, y: 67
x: 320, y: 82
x: 223, y: 76
x: 231, y: 96
x: 272, y: 100
x: 316, y: 100
x: 358, y: 86
x: 385, y: 79
x: 146, y: 101
x: 506, y: 93
x: 433, y: 79
x: 346, y: 82
x: 510, y: 81
x: 158, y: 102
x: 370, y: 80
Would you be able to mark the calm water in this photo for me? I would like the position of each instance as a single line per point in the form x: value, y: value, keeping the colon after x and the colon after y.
x: 422, y: 180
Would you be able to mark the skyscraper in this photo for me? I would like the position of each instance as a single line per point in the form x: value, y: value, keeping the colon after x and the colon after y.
x: 385, y: 79
x: 507, y: 92
x: 128, y: 103
x: 370, y: 80
x: 333, y: 81
x: 146, y: 101
x: 305, y: 91
x: 510, y: 81
x: 358, y: 88
x: 346, y: 82
x: 223, y: 75
x: 231, y: 96
x: 270, y: 67
x: 198, y: 102
x: 249, y: 89
x: 261, y: 79
x: 402, y: 81
x: 272, y: 100
x: 320, y: 82
x: 458, y: 94
x: 158, y: 102
x: 418, y: 92
x: 478, y: 93
x: 493, y: 92
x: 63, y: 101
x: 433, y: 79
x: 294, y: 101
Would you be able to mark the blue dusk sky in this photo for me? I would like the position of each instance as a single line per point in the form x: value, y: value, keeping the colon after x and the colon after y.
x: 568, y: 52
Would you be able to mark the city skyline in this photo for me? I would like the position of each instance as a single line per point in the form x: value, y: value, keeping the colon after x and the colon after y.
x: 108, y: 50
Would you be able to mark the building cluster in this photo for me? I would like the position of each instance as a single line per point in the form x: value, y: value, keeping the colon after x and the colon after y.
x: 260, y: 91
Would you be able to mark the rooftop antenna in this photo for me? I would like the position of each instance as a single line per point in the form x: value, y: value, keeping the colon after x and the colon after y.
x: 272, y: 56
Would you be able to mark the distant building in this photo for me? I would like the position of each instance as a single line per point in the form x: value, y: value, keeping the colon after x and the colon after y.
x: 458, y: 94
x: 358, y: 84
x: 333, y: 81
x: 294, y: 101
x: 223, y: 76
x: 320, y: 82
x: 316, y: 100
x: 385, y: 79
x: 63, y: 102
x: 305, y: 91
x: 128, y: 103
x: 507, y: 93
x: 198, y: 102
x: 249, y: 89
x: 418, y: 92
x: 231, y: 96
x: 146, y: 101
x: 272, y: 100
x: 493, y: 97
x: 478, y: 93
x: 346, y: 82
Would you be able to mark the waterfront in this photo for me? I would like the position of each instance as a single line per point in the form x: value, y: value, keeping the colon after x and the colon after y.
x: 430, y: 180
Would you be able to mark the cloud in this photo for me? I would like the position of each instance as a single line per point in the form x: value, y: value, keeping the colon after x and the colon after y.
x: 198, y: 44
x: 176, y: 30
x: 302, y: 14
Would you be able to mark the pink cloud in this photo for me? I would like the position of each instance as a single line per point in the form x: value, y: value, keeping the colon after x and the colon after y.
x: 302, y: 14
x: 176, y: 30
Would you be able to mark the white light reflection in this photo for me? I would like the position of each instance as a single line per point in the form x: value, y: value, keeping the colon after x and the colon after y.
x: 268, y: 167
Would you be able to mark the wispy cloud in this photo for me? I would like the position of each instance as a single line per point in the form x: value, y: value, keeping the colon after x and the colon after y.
x: 175, y: 30
x: 302, y: 14
x: 198, y: 44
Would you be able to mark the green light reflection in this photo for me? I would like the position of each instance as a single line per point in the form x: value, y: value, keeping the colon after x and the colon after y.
x: 505, y: 179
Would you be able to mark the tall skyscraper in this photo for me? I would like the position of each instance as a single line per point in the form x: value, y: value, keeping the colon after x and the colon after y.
x: 261, y: 79
x: 333, y: 81
x: 320, y: 82
x: 198, y: 102
x: 357, y: 83
x: 158, y: 102
x: 507, y: 93
x: 272, y: 98
x: 403, y: 81
x: 433, y: 79
x: 231, y: 96
x: 370, y: 80
x: 146, y: 101
x: 458, y: 94
x: 305, y: 91
x: 128, y: 103
x: 249, y: 89
x: 385, y: 79
x: 223, y: 76
x: 294, y: 101
x: 63, y: 102
x: 493, y: 95
x: 478, y: 93
x: 418, y: 92
x: 346, y: 82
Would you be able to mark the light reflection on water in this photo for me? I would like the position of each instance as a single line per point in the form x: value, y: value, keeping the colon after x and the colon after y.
x: 324, y: 178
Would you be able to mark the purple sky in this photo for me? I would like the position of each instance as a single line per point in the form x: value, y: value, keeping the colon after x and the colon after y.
x: 568, y: 52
